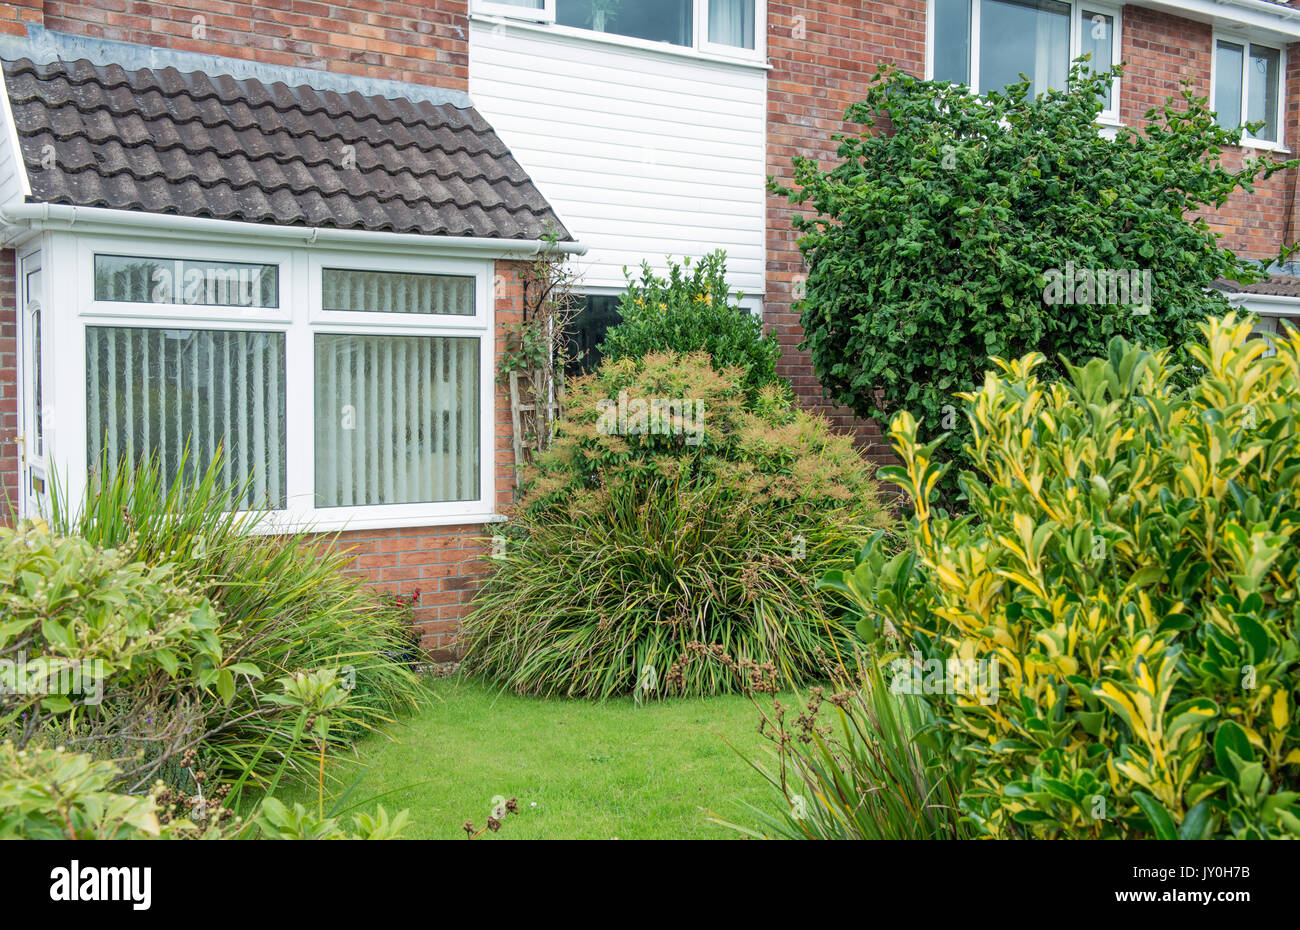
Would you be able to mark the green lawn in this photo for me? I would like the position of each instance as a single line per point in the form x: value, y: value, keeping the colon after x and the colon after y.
x: 580, y: 769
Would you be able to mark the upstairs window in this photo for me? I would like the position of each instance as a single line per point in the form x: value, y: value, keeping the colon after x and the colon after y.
x: 988, y: 44
x: 671, y: 21
x: 729, y: 27
x: 1248, y: 87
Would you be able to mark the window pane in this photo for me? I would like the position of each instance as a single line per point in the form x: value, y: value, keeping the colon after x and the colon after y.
x: 656, y: 20
x: 1261, y: 87
x: 1030, y: 37
x: 159, y: 391
x: 952, y: 41
x: 388, y: 292
x: 596, y: 314
x: 731, y: 22
x: 397, y: 420
x: 185, y: 281
x: 1098, y: 42
x: 38, y: 403
x: 37, y: 376
x: 1227, y: 83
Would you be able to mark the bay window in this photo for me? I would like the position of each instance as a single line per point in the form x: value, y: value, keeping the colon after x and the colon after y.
x: 1247, y: 87
x: 727, y: 27
x: 988, y: 44
x: 341, y: 388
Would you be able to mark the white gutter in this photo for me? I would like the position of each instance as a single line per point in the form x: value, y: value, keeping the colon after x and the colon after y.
x: 1256, y: 14
x: 63, y: 217
x: 1266, y: 304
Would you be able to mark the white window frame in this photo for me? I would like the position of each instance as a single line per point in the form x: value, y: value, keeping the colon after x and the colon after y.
x: 1109, y: 115
x: 545, y: 15
x: 700, y: 45
x: 300, y: 317
x: 1246, y: 40
x: 703, y: 44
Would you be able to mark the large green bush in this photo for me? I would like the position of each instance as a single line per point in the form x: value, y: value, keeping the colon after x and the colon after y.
x: 629, y: 545
x: 1131, y: 566
x: 950, y: 228
x: 692, y: 310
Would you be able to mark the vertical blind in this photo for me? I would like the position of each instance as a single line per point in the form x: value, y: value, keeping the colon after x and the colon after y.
x: 161, y: 391
x: 397, y: 419
x: 389, y: 292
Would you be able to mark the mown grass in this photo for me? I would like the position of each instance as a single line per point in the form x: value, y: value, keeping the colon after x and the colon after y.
x: 580, y: 769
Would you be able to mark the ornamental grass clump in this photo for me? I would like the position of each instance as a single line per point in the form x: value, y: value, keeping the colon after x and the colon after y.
x: 1130, y: 563
x: 634, y: 536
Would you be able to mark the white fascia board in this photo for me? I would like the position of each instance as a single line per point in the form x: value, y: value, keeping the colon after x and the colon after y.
x: 1266, y: 304
x: 1279, y: 22
x: 67, y: 218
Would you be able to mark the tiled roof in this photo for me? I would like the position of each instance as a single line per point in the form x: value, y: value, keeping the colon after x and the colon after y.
x: 1278, y: 285
x: 194, y: 144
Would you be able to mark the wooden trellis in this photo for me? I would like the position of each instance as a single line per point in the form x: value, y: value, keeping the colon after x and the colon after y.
x: 533, y: 424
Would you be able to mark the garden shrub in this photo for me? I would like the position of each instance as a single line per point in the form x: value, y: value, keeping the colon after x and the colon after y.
x: 283, y: 606
x: 692, y: 310
x: 627, y: 545
x: 954, y: 228
x: 1130, y: 563
x: 51, y: 794
x: 90, y: 630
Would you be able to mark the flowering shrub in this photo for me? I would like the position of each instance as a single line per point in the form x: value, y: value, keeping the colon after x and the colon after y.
x: 708, y: 433
x: 629, y: 541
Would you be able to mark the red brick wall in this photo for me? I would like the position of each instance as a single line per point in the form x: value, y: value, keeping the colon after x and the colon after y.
x: 824, y: 53
x: 423, y: 42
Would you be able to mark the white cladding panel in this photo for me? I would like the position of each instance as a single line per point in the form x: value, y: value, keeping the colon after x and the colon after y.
x: 642, y: 154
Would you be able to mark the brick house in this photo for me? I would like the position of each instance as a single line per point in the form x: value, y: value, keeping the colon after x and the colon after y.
x: 297, y: 227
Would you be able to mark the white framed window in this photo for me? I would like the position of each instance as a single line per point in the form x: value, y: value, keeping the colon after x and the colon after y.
x: 730, y: 28
x: 1247, y: 85
x: 538, y: 11
x: 989, y: 44
x: 345, y: 388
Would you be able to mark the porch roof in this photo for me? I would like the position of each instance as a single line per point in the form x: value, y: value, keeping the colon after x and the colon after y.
x: 159, y: 140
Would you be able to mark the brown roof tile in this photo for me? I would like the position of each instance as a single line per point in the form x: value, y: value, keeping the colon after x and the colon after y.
x: 194, y: 144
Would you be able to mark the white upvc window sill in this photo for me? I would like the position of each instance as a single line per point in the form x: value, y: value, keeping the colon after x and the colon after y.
x: 280, y: 523
x: 1263, y: 145
x: 743, y: 59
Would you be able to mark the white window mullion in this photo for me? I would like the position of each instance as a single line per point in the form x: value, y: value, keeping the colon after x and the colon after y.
x: 1245, y: 84
x: 975, y: 47
x: 300, y: 387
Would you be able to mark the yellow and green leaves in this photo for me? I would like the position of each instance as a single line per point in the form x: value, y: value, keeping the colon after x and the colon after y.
x: 1131, y: 554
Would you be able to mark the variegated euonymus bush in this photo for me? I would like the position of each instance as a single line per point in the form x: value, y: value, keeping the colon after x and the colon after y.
x: 1130, y: 561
